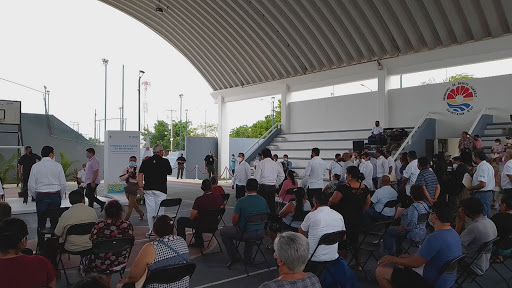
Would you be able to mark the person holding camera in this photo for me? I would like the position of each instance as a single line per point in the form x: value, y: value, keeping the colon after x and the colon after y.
x: 130, y: 190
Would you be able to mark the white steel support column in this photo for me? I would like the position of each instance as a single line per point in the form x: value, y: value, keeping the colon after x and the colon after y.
x: 384, y: 81
x: 223, y: 137
x: 284, y: 106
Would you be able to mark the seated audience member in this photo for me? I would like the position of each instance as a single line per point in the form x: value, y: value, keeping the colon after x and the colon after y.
x: 246, y: 206
x: 5, y: 210
x: 76, y: 214
x: 167, y: 250
x: 481, y: 230
x: 216, y: 188
x: 377, y: 134
x: 292, y: 215
x: 113, y: 226
x: 503, y: 222
x: 207, y: 201
x: 351, y: 200
x: 377, y: 212
x: 292, y: 254
x: 321, y: 220
x: 409, y: 227
x: 92, y: 281
x: 427, y: 179
x: 289, y: 183
x: 395, y: 141
x: 331, y: 186
x: 438, y: 248
x: 14, y: 265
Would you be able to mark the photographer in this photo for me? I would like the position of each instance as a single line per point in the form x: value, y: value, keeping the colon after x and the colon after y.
x: 130, y: 176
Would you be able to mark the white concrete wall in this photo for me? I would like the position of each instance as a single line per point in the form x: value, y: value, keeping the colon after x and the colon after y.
x: 356, y: 111
x: 407, y: 105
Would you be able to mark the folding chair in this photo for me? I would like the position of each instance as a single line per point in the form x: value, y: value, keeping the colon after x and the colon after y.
x: 169, y: 275
x: 390, y: 204
x: 53, y: 215
x: 255, y: 219
x: 503, y: 262
x: 77, y: 230
x: 450, y: 267
x: 225, y: 198
x: 209, y: 221
x: 422, y: 220
x: 378, y: 229
x: 118, y: 247
x: 173, y: 202
x: 327, y: 239
x: 467, y: 272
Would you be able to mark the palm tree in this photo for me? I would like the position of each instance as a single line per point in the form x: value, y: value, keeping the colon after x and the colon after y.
x: 66, y: 164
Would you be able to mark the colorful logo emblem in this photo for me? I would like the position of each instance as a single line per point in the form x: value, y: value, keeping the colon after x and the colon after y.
x: 459, y: 98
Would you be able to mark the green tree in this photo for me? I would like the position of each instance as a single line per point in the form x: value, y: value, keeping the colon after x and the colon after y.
x: 458, y: 77
x: 6, y: 165
x: 259, y: 128
x: 66, y: 164
x: 161, y: 133
x: 205, y: 130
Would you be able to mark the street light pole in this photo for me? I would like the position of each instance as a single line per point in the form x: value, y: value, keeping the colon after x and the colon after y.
x: 181, y: 101
x: 105, y: 62
x: 141, y: 73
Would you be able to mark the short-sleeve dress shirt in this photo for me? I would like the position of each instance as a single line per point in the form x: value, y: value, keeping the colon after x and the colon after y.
x: 507, y: 170
x: 411, y: 173
x: 484, y: 173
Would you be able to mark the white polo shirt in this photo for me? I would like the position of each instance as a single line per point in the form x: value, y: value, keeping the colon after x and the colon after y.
x: 382, y: 166
x: 507, y: 170
x: 315, y: 172
x: 317, y: 223
x: 484, y: 173
x: 336, y: 168
x: 376, y: 130
x: 391, y: 164
x: 411, y: 173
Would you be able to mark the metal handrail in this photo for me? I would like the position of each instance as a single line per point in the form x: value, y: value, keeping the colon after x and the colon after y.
x: 409, y: 138
x: 263, y: 137
x: 485, y: 109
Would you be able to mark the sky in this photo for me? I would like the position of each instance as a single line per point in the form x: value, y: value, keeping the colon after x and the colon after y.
x: 61, y: 44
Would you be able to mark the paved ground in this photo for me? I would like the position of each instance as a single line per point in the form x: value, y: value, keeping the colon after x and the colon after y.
x: 211, y: 270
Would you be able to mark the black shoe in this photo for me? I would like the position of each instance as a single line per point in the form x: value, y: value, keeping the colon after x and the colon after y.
x: 197, y: 245
x: 102, y: 207
x: 25, y: 201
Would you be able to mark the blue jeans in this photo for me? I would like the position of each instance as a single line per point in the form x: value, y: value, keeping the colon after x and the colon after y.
x: 392, y: 238
x: 374, y: 140
x: 372, y: 216
x: 43, y: 202
x: 486, y: 198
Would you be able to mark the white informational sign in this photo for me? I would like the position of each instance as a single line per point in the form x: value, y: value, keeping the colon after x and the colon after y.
x: 119, y: 147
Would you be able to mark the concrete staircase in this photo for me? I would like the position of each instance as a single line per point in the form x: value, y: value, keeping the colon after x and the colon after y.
x: 494, y: 131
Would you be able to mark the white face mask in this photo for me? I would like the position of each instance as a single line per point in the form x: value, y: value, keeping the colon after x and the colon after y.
x: 455, y: 166
x: 239, y: 159
x: 356, y: 162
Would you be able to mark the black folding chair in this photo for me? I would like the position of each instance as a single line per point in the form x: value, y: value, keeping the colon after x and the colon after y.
x: 225, y: 198
x: 467, y: 272
x: 209, y: 221
x: 53, y: 215
x: 450, y: 267
x: 327, y: 239
x: 390, y: 204
x: 422, y: 220
x: 77, y: 230
x: 169, y: 275
x: 117, y: 247
x: 502, y: 262
x: 168, y: 203
x: 255, y: 219
x: 371, y: 242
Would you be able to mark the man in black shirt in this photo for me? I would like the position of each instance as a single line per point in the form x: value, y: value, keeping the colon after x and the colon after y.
x: 181, y: 165
x: 395, y: 141
x: 153, y: 173
x: 24, y: 166
x: 209, y: 162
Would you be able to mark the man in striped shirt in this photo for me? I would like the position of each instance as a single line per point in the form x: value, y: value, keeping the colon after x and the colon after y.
x: 428, y: 181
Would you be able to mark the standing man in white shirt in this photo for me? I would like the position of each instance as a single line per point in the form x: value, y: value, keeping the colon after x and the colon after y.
x: 269, y: 175
x: 377, y: 134
x: 47, y: 184
x: 92, y: 179
x: 382, y: 166
x: 315, y: 172
x: 80, y: 177
x: 411, y: 172
x: 242, y: 174
x: 483, y: 181
x: 506, y: 175
x: 366, y: 168
x: 336, y: 167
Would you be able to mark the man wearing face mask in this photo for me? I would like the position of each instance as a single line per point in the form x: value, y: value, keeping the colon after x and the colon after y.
x: 47, y: 184
x: 315, y: 171
x: 209, y: 164
x: 336, y: 167
x: 92, y: 179
x: 130, y: 190
x: 287, y: 164
x: 242, y: 173
x: 25, y: 163
x: 181, y: 165
x: 483, y: 182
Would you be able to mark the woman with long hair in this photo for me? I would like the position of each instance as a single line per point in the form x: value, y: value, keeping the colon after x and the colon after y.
x: 291, y: 215
x: 351, y: 200
x: 289, y: 183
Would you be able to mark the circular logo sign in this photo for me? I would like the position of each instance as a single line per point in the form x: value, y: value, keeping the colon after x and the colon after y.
x: 459, y: 98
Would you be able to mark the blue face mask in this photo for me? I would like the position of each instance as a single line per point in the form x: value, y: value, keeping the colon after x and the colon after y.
x: 133, y: 164
x: 87, y: 155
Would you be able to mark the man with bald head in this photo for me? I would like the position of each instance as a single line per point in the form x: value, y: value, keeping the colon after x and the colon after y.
x: 377, y: 212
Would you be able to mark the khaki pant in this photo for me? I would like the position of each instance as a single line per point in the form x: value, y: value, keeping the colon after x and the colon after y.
x: 132, y: 203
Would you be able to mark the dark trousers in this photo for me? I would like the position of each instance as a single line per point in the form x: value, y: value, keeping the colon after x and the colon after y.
x: 186, y: 222
x: 211, y: 170
x: 375, y: 140
x: 90, y: 193
x: 507, y: 191
x: 180, y: 170
x: 43, y: 202
x: 311, y: 194
x: 372, y: 216
x: 240, y: 191
x: 268, y: 192
x: 229, y: 233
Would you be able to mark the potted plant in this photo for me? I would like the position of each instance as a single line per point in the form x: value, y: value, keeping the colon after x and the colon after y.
x: 140, y: 199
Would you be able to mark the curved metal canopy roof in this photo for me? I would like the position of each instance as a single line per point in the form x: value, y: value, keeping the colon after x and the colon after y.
x: 236, y: 43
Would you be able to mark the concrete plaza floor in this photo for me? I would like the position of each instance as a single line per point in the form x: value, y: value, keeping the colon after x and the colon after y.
x: 211, y: 270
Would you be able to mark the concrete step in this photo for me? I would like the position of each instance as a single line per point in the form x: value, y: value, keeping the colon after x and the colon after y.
x: 334, y: 135
x: 306, y: 153
x: 495, y: 131
x: 501, y: 125
x: 321, y: 144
